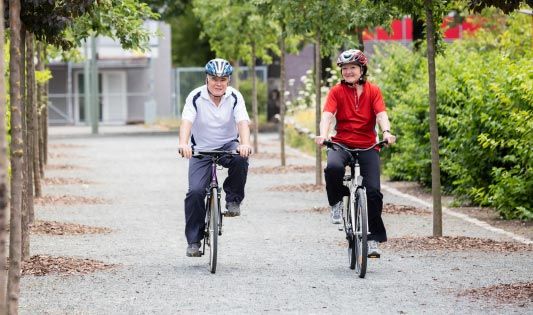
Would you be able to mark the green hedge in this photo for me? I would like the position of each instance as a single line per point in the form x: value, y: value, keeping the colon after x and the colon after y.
x: 485, y: 117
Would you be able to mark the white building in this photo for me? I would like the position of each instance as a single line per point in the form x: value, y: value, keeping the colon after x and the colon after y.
x: 133, y: 87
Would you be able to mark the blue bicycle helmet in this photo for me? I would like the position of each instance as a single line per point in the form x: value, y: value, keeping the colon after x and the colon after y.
x: 219, y: 68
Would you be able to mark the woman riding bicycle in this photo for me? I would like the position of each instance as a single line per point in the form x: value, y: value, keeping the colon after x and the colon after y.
x: 357, y: 106
x: 214, y: 118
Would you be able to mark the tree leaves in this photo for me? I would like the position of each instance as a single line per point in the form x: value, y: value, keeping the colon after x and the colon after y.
x: 66, y: 23
x: 485, y: 120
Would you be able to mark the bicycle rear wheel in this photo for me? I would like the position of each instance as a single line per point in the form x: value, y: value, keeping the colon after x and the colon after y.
x: 361, y: 231
x: 214, y: 220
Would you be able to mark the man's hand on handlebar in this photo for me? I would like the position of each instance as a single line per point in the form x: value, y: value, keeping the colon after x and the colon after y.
x: 244, y: 150
x: 185, y: 151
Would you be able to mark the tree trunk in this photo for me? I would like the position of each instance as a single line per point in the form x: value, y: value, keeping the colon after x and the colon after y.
x: 27, y: 190
x: 34, y: 118
x: 282, y: 96
x: 45, y: 112
x: 31, y: 124
x: 4, y: 179
x: 45, y: 121
x: 433, y: 128
x: 13, y: 286
x: 254, y: 100
x: 318, y: 75
x: 40, y: 109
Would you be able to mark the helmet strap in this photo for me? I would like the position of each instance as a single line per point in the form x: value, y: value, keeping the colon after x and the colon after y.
x: 347, y: 83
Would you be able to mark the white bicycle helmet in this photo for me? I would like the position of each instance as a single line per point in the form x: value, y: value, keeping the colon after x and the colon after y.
x: 352, y: 56
x: 219, y: 68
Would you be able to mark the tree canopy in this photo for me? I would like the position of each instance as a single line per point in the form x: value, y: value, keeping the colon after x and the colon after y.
x: 66, y: 23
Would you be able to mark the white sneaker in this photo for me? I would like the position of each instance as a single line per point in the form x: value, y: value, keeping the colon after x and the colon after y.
x: 373, y: 249
x: 336, y: 213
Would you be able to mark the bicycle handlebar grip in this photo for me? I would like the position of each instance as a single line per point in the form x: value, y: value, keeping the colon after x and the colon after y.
x: 382, y: 143
x: 328, y: 143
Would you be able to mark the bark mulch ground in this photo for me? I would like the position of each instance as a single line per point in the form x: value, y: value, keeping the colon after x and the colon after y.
x: 481, y: 213
x: 63, y: 167
x: 62, y: 228
x: 66, y: 181
x: 454, y: 243
x: 40, y: 265
x: 298, y: 188
x: 400, y: 209
x: 387, y: 208
x: 69, y: 200
x: 281, y: 169
x: 520, y: 294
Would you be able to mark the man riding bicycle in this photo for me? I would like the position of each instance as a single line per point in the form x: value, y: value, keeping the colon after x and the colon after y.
x: 356, y: 105
x: 214, y: 118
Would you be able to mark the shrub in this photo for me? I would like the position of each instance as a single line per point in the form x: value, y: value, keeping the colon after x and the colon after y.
x: 485, y: 111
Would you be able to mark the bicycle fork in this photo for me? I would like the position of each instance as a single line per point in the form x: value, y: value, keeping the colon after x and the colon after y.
x: 219, y: 190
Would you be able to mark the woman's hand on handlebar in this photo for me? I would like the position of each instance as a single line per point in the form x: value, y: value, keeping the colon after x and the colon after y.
x: 390, y: 138
x: 320, y: 140
x: 185, y: 151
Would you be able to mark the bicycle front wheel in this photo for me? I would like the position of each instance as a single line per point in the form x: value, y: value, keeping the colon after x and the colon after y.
x: 361, y: 232
x: 350, y: 230
x: 214, y: 220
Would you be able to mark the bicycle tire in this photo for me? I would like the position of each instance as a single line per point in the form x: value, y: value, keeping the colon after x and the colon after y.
x: 361, y: 232
x: 214, y: 210
x: 350, y: 235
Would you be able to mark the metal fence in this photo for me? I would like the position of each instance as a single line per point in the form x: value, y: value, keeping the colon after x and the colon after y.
x: 189, y: 78
x: 65, y: 108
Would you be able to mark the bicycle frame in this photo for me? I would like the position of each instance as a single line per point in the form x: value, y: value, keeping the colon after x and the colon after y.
x: 213, y: 220
x: 355, y: 215
x: 356, y: 180
x: 214, y: 181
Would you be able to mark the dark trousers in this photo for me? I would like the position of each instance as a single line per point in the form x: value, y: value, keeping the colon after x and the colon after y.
x: 199, y: 179
x: 369, y: 163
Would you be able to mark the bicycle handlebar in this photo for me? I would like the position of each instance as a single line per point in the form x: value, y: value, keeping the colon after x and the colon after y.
x: 332, y: 144
x: 216, y: 153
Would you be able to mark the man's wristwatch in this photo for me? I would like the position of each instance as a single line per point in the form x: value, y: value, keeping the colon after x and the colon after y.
x: 386, y: 131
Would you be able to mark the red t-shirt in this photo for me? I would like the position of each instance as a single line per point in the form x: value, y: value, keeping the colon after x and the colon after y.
x: 356, y: 116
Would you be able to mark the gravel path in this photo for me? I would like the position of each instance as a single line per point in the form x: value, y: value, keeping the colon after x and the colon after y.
x: 278, y: 257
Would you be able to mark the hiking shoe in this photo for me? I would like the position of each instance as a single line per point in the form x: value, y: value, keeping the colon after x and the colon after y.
x: 234, y: 209
x: 193, y: 250
x: 373, y: 249
x: 336, y: 213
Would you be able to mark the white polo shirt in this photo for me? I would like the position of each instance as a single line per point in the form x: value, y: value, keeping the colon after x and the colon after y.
x: 213, y: 126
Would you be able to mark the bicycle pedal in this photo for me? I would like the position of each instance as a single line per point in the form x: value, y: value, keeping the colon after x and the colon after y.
x: 374, y: 256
